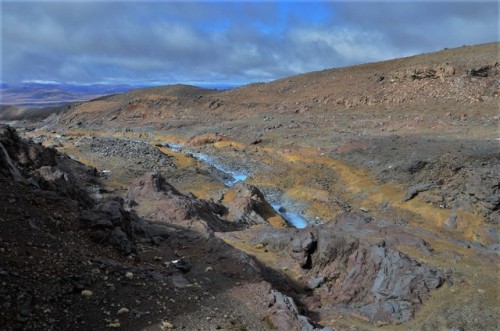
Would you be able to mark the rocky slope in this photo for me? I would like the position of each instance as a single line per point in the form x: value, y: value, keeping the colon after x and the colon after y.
x: 394, y: 165
x: 139, y: 274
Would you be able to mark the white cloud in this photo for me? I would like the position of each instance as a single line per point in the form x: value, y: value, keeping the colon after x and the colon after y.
x: 347, y: 45
x: 168, y: 41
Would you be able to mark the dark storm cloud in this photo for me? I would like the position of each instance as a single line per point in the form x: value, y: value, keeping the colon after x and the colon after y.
x: 141, y: 42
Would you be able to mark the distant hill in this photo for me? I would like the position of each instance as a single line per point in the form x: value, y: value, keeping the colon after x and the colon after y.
x: 49, y: 95
x: 464, y: 76
x: 44, y: 95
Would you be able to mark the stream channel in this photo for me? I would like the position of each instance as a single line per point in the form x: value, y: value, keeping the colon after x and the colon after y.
x: 293, y: 219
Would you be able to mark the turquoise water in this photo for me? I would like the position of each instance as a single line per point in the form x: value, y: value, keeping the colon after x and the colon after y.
x: 236, y: 177
x: 293, y: 219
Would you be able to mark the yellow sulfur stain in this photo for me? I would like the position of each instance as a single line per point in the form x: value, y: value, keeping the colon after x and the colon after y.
x: 225, y: 144
x: 358, y: 182
x: 181, y: 160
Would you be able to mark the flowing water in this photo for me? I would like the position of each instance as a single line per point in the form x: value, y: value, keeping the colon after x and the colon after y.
x: 234, y: 177
x: 294, y: 219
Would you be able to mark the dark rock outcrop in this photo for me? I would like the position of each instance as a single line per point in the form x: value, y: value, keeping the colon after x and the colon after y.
x: 28, y: 156
x: 41, y: 167
x: 109, y: 223
x: 414, y: 190
x: 349, y: 266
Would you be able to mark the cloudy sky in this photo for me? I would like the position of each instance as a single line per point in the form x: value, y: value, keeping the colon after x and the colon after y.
x: 231, y: 42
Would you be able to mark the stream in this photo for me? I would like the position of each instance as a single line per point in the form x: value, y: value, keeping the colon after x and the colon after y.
x: 294, y: 219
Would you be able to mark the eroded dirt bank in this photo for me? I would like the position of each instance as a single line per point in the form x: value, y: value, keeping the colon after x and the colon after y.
x: 395, y: 165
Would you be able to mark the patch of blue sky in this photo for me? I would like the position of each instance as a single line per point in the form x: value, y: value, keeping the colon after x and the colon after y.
x: 314, y: 13
x: 218, y: 26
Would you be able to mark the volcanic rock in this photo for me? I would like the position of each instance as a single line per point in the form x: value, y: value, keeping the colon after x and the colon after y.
x: 157, y: 199
x: 367, y: 275
x: 247, y: 205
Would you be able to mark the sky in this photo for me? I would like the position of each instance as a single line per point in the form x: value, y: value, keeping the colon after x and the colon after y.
x: 230, y: 42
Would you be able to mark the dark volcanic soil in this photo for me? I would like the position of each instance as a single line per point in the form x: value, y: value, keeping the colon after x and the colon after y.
x: 394, y: 164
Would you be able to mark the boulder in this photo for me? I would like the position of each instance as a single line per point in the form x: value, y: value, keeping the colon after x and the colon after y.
x: 247, y: 206
x: 109, y: 223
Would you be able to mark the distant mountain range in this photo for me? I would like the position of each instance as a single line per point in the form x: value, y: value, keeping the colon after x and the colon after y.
x: 43, y: 95
x: 48, y: 95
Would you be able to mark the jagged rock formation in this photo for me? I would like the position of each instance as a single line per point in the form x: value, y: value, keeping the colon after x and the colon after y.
x: 55, y: 276
x: 41, y: 167
x: 154, y: 198
x: 347, y: 264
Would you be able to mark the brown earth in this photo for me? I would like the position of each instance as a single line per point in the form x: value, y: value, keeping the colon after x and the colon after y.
x: 395, y: 165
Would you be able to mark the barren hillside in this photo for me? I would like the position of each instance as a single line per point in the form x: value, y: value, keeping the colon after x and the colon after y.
x: 357, y: 198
